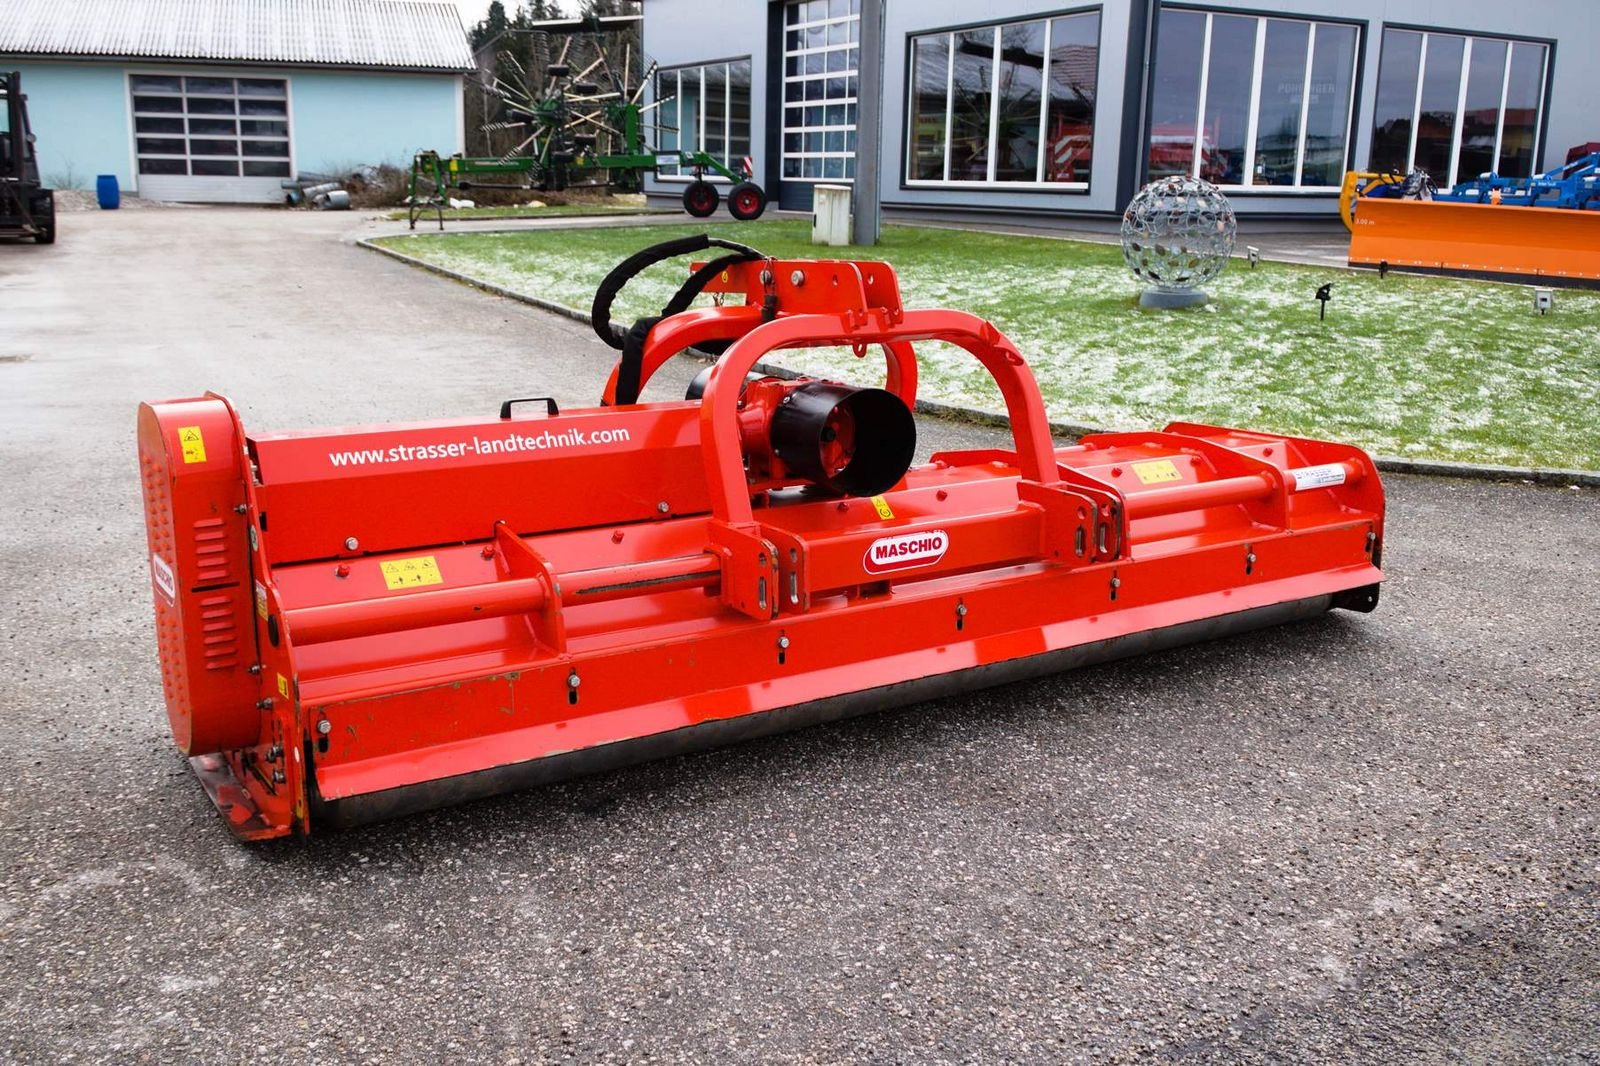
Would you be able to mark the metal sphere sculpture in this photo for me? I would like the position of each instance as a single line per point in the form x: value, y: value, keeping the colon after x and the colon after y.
x: 1177, y: 235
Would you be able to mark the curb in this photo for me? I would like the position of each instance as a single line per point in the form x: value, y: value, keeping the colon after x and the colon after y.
x: 955, y: 413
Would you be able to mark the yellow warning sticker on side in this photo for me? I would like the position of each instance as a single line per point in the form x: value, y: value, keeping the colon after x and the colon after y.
x: 882, y: 506
x: 283, y: 686
x: 1156, y: 471
x: 411, y: 573
x: 192, y: 443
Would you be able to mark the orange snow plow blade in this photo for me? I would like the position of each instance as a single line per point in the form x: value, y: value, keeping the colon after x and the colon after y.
x: 1535, y: 244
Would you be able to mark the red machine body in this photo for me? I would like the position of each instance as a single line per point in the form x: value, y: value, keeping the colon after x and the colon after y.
x: 358, y: 623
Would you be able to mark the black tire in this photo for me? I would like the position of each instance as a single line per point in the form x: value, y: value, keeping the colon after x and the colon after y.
x: 746, y: 201
x: 700, y: 199
x: 44, y: 209
x: 47, y: 227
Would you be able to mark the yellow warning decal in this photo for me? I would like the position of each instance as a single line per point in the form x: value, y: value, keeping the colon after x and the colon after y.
x: 283, y: 686
x: 192, y: 443
x: 1156, y: 471
x: 411, y: 573
x: 455, y: 165
x: 882, y: 506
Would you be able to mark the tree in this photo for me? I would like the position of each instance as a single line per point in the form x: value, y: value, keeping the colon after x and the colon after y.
x: 491, y: 26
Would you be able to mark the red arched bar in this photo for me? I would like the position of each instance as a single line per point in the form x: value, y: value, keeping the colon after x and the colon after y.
x: 690, y: 328
x: 719, y: 416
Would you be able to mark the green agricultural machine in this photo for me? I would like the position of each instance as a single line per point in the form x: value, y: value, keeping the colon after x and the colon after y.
x: 584, y: 128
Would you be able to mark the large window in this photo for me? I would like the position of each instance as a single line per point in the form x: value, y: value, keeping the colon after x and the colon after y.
x: 1247, y: 101
x: 704, y: 108
x: 1458, y: 106
x: 211, y: 127
x: 1011, y: 104
x: 821, y: 81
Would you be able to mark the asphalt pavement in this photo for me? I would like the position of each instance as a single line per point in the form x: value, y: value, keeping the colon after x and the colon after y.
x: 1365, y: 838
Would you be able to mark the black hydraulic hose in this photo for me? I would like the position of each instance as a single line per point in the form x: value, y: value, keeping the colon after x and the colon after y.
x: 631, y: 267
x: 630, y: 368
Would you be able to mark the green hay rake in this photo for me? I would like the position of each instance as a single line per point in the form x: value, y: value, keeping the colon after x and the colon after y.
x: 584, y: 129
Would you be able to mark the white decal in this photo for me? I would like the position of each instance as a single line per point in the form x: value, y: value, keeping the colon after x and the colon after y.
x: 510, y: 444
x: 906, y: 550
x: 162, y: 576
x: 1318, y: 477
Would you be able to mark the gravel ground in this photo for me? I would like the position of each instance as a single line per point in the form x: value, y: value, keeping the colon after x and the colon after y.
x: 1361, y: 839
x: 74, y: 200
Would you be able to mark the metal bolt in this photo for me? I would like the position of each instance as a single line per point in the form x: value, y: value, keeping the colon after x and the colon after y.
x: 488, y: 551
x: 274, y: 753
x: 324, y: 727
x: 241, y: 508
x: 253, y: 542
x: 797, y: 278
x: 573, y: 680
x: 255, y: 668
x: 1116, y: 582
x: 783, y: 642
x: 264, y: 704
x: 766, y: 277
x: 961, y: 610
x: 662, y: 507
x: 278, y: 777
x: 1250, y: 557
x: 351, y: 544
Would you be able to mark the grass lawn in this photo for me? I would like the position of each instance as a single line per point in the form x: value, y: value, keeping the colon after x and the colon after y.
x: 523, y: 211
x: 1404, y: 366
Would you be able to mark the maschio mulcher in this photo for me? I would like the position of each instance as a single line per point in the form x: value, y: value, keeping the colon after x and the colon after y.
x: 359, y: 623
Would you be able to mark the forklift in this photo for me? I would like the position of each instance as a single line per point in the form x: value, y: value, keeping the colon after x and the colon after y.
x: 27, y: 208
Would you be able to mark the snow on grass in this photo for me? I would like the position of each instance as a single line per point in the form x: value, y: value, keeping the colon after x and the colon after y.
x: 1406, y: 366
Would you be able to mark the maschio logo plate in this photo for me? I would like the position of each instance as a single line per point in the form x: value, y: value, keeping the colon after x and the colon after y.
x: 162, y: 576
x: 906, y: 551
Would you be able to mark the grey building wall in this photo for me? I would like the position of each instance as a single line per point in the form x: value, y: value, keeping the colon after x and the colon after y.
x: 1570, y: 115
x: 907, y: 18
x: 679, y: 31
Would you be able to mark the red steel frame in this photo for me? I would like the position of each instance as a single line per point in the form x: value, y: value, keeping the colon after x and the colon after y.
x: 608, y: 583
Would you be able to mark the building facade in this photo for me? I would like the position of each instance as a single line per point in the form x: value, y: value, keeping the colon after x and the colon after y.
x: 221, y: 100
x: 1047, y: 106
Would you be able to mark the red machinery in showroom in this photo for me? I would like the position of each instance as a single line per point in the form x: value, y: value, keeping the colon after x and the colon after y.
x: 359, y: 623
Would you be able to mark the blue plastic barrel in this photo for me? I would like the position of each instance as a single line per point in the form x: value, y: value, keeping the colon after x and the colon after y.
x: 105, y: 186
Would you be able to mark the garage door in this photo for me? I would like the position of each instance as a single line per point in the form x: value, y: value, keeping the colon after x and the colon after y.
x: 820, y: 57
x: 211, y: 139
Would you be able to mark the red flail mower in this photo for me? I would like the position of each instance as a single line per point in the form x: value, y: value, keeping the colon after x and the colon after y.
x: 359, y: 623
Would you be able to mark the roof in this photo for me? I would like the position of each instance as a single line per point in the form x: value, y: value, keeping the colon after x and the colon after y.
x: 405, y: 34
